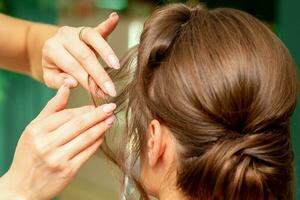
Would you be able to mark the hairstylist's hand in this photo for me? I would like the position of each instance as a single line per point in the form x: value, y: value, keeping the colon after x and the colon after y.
x: 73, y: 53
x: 53, y: 147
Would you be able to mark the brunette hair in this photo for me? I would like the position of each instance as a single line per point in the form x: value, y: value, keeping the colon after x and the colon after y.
x: 226, y: 88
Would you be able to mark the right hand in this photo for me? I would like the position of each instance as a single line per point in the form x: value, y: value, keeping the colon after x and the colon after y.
x: 54, y: 146
x: 72, y: 54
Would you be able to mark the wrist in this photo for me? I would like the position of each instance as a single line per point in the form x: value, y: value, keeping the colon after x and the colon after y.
x: 36, y: 37
x: 10, y: 190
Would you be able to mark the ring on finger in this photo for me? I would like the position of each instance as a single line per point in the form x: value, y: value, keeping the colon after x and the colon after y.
x: 81, y: 33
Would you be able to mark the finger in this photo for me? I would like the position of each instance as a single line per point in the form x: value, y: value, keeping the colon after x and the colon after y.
x: 57, y: 103
x: 80, y: 124
x: 108, y: 26
x: 66, y: 62
x: 55, y: 78
x: 93, y: 87
x: 56, y: 120
x: 97, y: 42
x: 77, y: 162
x: 85, y: 139
x: 91, y: 64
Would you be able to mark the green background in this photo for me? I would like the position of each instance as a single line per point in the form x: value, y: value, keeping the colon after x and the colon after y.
x: 21, y: 98
x: 289, y: 32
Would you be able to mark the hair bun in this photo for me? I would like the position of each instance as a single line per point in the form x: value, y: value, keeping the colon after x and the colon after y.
x: 225, y: 87
x: 239, y: 164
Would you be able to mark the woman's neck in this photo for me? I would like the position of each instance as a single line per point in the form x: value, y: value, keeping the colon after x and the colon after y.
x: 171, y: 193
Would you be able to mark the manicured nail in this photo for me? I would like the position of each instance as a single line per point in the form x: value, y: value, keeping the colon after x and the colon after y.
x: 110, y: 88
x: 114, y: 61
x: 112, y: 14
x: 109, y: 107
x: 110, y: 119
x: 71, y: 82
x: 61, y: 89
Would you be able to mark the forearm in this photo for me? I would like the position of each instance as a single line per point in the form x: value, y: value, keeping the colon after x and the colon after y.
x: 13, y: 33
x: 21, y: 45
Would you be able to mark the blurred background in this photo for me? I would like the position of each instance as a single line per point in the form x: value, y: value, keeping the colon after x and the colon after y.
x: 22, y: 98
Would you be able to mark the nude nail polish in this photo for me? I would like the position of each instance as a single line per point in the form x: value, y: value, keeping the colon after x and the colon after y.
x: 109, y: 107
x: 114, y: 61
x: 110, y: 119
x: 71, y: 82
x: 113, y: 14
x: 61, y: 89
x: 110, y: 88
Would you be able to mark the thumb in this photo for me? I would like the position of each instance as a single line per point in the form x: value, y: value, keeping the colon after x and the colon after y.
x: 108, y: 26
x: 55, y: 78
x: 57, y: 103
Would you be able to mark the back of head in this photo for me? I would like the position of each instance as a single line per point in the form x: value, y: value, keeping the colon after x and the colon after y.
x: 226, y: 88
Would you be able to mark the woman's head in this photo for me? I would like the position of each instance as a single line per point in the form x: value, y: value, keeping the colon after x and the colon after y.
x: 210, y: 104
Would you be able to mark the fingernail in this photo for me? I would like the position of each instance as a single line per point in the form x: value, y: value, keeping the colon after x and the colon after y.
x: 110, y: 88
x: 61, y: 89
x: 112, y: 14
x: 109, y: 107
x: 110, y: 119
x: 71, y: 82
x: 114, y: 61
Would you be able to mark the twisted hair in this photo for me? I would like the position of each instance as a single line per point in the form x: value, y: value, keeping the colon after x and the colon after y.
x: 226, y: 88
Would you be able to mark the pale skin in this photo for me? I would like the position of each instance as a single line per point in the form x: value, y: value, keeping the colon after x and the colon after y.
x: 158, y: 164
x: 53, y: 55
x: 53, y: 147
x: 59, y: 141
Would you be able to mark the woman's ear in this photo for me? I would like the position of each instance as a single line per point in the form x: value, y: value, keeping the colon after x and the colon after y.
x: 156, y: 142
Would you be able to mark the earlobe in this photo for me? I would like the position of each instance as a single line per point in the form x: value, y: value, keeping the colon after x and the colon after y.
x: 155, y: 142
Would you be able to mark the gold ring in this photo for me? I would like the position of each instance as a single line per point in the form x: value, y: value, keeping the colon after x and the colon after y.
x: 80, y: 33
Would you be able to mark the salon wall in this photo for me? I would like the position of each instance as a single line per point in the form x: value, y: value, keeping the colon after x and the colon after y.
x: 289, y: 32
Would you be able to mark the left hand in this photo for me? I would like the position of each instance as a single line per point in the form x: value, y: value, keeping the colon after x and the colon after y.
x: 67, y: 56
x: 53, y: 147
